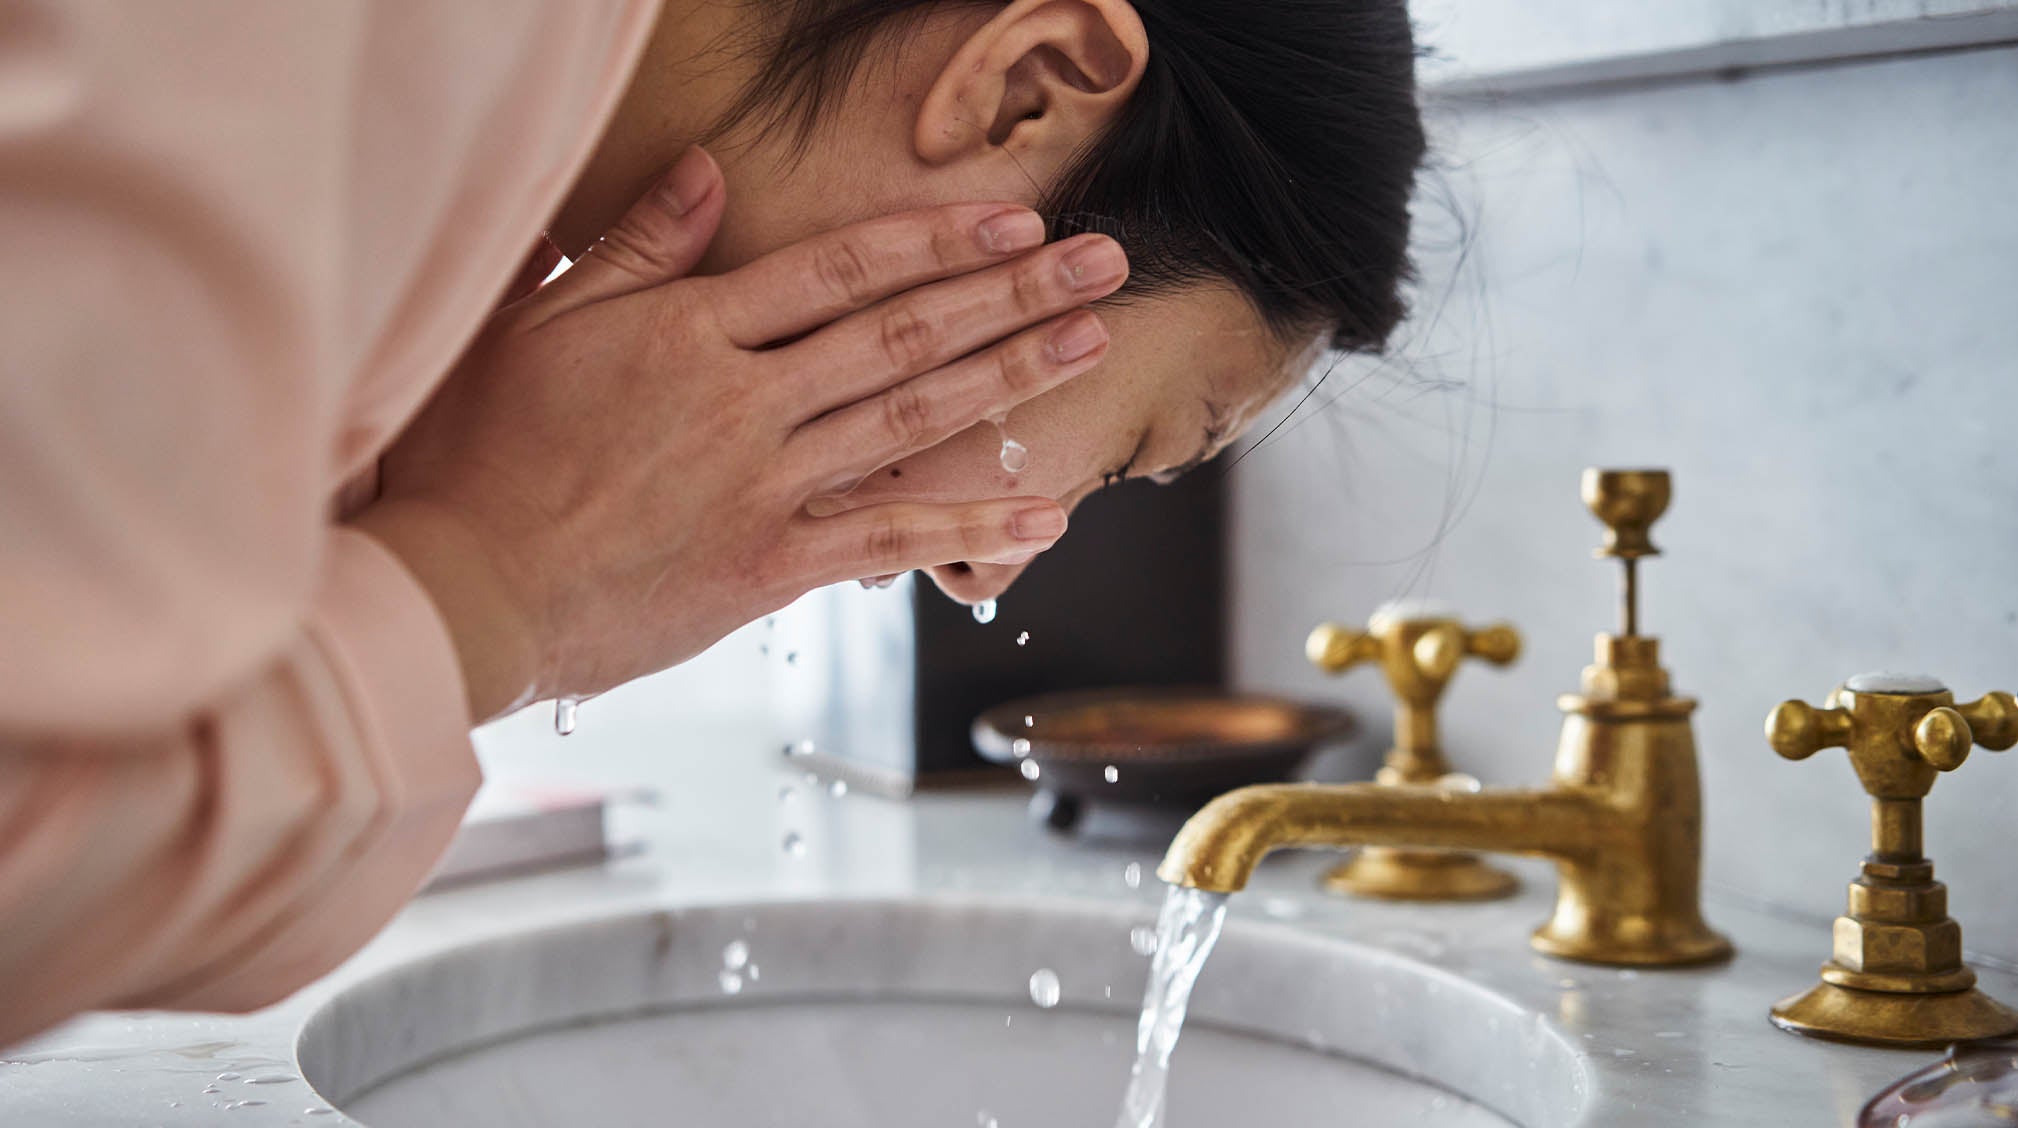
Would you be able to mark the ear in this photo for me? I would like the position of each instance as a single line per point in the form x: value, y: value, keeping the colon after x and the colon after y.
x: 1037, y: 81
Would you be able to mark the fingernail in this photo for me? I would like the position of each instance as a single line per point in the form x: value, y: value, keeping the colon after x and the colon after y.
x: 1077, y: 337
x: 689, y: 183
x: 1017, y: 230
x: 1096, y: 264
x: 1047, y: 523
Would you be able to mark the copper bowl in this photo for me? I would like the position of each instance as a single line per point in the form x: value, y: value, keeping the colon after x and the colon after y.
x: 1166, y: 747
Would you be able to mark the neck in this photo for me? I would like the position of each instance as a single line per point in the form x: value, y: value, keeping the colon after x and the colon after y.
x: 688, y: 75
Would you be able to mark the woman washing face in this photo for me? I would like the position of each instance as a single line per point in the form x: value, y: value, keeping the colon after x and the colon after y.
x: 291, y: 499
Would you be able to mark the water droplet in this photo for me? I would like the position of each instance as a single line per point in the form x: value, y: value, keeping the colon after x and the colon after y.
x: 273, y: 1079
x: 229, y: 1076
x: 1029, y: 721
x: 791, y: 657
x: 213, y: 1089
x: 1044, y: 988
x: 255, y: 1103
x: 1008, y: 1020
x: 1019, y: 747
x: 1107, y: 992
x: 1015, y: 456
x: 1282, y: 908
x: 1112, y: 774
x: 1030, y: 770
x: 983, y: 1120
x: 803, y: 748
x: 794, y: 844
x: 984, y: 611
x: 753, y: 973
x: 1132, y: 876
x: 1023, y: 639
x: 731, y: 981
x: 564, y: 714
x: 735, y: 955
x: 838, y: 788
x: 1142, y: 938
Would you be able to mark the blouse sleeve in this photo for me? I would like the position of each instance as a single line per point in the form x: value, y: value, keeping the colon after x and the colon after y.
x: 232, y: 735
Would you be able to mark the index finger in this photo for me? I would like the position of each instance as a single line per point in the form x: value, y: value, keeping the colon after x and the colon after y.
x: 814, y: 281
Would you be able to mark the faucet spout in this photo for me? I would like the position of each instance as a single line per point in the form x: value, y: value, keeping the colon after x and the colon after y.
x: 1218, y: 850
x: 1622, y: 820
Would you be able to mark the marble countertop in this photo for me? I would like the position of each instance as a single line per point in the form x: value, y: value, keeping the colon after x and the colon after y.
x: 1689, y: 1047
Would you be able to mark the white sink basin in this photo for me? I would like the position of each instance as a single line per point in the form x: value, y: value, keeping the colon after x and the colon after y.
x: 895, y: 1014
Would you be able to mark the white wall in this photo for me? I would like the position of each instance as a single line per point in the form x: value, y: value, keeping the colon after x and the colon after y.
x: 1800, y: 291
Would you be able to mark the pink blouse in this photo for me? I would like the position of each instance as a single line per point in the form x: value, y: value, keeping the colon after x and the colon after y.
x: 240, y: 243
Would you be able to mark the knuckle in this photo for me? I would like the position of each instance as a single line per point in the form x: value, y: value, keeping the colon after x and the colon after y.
x: 906, y: 337
x: 1024, y: 369
x: 1029, y: 289
x: 843, y: 268
x: 907, y: 416
x: 948, y: 243
x: 888, y: 540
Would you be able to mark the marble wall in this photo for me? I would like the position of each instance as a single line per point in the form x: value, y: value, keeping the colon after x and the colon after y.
x: 1799, y: 289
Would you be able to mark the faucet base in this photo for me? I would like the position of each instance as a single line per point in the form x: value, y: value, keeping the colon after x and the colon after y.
x: 1390, y: 873
x: 1902, y: 1021
x: 1630, y: 942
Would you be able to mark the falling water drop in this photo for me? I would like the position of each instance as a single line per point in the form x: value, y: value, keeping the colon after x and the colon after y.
x: 1132, y: 876
x: 795, y: 844
x: 1019, y: 748
x: 1029, y: 721
x: 838, y: 788
x: 1015, y: 456
x: 732, y: 982
x: 984, y: 611
x: 564, y: 714
x: 1044, y: 988
x: 1142, y: 938
x: 1030, y: 770
x: 1112, y: 774
x: 1023, y: 639
x: 735, y: 955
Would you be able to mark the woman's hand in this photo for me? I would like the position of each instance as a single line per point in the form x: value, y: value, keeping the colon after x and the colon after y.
x: 616, y: 474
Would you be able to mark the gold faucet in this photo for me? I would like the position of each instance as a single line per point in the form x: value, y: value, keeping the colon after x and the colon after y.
x: 1419, y: 647
x: 1896, y: 977
x: 1622, y: 819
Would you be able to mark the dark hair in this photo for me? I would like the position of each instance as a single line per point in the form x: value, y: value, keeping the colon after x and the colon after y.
x: 1272, y: 143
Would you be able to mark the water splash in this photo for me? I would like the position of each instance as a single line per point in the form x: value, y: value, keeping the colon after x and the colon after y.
x: 1186, y: 932
x: 984, y: 611
x: 1044, y: 988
